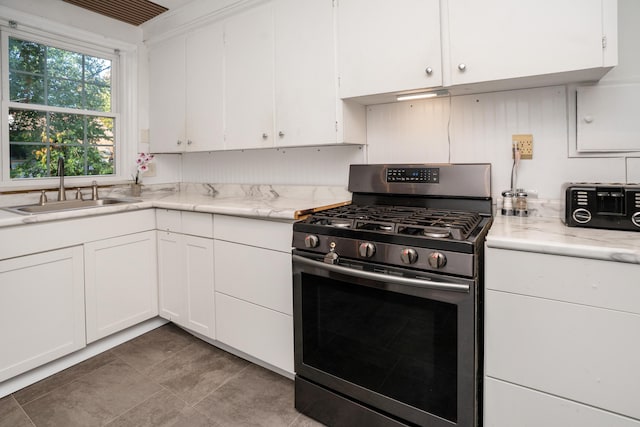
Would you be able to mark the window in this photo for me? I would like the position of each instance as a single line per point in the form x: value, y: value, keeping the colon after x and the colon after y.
x: 60, y: 104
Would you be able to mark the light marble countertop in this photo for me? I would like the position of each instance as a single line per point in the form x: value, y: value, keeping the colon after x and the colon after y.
x: 549, y: 235
x: 281, y: 202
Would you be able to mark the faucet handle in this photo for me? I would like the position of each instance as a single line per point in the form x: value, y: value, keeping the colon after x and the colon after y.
x: 79, y: 194
x: 94, y: 190
x: 43, y: 197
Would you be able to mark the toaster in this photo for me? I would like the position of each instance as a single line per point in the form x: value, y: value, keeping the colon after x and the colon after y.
x: 597, y: 205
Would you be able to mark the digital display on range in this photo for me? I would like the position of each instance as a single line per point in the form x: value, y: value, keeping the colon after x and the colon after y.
x: 414, y: 175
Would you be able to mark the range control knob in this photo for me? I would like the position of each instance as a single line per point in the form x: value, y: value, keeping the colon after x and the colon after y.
x: 581, y: 216
x: 635, y: 219
x: 408, y: 256
x: 311, y: 241
x: 437, y: 260
x: 367, y: 249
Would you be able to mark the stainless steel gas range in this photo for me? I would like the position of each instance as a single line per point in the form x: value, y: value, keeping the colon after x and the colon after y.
x: 388, y: 298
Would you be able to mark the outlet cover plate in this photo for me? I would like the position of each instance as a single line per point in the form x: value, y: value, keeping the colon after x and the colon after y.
x: 525, y: 145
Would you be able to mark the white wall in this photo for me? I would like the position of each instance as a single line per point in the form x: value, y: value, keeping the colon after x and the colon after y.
x: 470, y: 128
x: 304, y: 166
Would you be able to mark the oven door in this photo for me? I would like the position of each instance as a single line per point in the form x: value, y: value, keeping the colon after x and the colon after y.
x: 406, y: 346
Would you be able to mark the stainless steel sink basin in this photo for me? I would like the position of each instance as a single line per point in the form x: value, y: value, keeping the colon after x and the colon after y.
x: 67, y: 205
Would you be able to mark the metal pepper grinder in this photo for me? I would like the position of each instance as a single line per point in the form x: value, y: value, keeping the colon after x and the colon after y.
x: 507, y: 203
x: 520, y: 206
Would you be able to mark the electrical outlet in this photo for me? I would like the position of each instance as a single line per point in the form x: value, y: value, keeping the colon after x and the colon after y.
x: 525, y: 145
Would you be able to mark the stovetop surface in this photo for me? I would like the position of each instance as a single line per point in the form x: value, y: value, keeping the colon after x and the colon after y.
x: 401, y: 220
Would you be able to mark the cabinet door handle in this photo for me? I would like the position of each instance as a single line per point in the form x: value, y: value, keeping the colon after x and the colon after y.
x: 265, y: 136
x: 429, y: 71
x: 462, y: 66
x: 189, y: 142
x: 280, y: 134
x: 179, y: 142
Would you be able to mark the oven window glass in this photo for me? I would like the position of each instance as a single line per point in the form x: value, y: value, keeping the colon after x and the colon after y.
x: 400, y: 346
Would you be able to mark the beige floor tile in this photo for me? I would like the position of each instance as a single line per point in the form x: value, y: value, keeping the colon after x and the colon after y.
x: 149, y: 349
x: 12, y: 415
x: 256, y: 397
x: 196, y: 371
x: 304, y: 421
x: 163, y: 409
x: 67, y: 376
x: 93, y: 399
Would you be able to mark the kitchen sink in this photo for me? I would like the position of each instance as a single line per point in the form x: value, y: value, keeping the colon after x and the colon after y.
x: 67, y: 205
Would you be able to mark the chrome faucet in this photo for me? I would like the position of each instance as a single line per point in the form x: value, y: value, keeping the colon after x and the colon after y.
x: 62, y: 195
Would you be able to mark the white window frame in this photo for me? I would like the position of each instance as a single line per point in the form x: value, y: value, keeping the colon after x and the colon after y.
x: 124, y: 97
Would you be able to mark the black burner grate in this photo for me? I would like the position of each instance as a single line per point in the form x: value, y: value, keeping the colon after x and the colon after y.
x: 413, y: 221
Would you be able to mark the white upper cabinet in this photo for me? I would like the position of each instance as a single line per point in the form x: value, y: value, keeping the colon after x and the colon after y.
x: 388, y: 46
x: 186, y: 92
x: 503, y: 39
x: 205, y: 89
x: 249, y: 71
x: 305, y: 76
x: 167, y: 96
x: 468, y: 45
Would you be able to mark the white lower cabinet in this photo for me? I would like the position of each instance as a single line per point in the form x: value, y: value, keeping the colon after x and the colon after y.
x: 120, y: 283
x: 41, y: 309
x: 254, y: 288
x: 511, y: 405
x: 258, y: 331
x: 185, y: 266
x: 560, y: 340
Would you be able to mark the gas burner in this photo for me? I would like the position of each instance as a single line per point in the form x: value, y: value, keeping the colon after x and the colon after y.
x: 341, y: 223
x: 436, y: 232
x: 405, y: 220
x: 375, y: 226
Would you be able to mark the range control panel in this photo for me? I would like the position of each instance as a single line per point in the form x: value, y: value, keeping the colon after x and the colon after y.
x: 416, y: 175
x: 609, y: 206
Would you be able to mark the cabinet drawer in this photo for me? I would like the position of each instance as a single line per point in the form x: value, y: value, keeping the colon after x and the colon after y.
x: 197, y: 224
x: 605, y: 284
x: 257, y: 275
x: 168, y: 220
x: 586, y: 354
x: 508, y: 405
x: 255, y: 232
x: 257, y: 331
x: 193, y: 223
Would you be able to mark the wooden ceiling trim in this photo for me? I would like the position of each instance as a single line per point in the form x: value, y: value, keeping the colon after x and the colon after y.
x: 134, y: 12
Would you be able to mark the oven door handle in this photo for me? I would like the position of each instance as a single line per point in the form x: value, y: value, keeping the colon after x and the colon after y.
x: 380, y: 277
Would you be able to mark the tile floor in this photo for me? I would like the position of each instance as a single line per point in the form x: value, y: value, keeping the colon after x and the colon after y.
x: 165, y: 377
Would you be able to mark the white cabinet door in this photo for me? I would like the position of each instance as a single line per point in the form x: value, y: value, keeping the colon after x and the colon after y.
x: 579, y: 352
x: 504, y: 39
x: 199, y: 281
x: 305, y: 84
x: 171, y: 286
x: 205, y: 89
x: 254, y: 305
x: 388, y: 46
x: 266, y: 283
x: 41, y: 309
x: 562, y: 330
x: 249, y: 71
x: 186, y: 292
x: 509, y: 405
x: 167, y: 100
x: 255, y: 330
x: 120, y: 283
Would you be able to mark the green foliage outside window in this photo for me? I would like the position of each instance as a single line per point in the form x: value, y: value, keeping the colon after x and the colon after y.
x: 42, y: 76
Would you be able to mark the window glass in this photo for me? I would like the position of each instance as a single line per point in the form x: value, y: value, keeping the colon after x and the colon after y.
x: 48, y: 86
